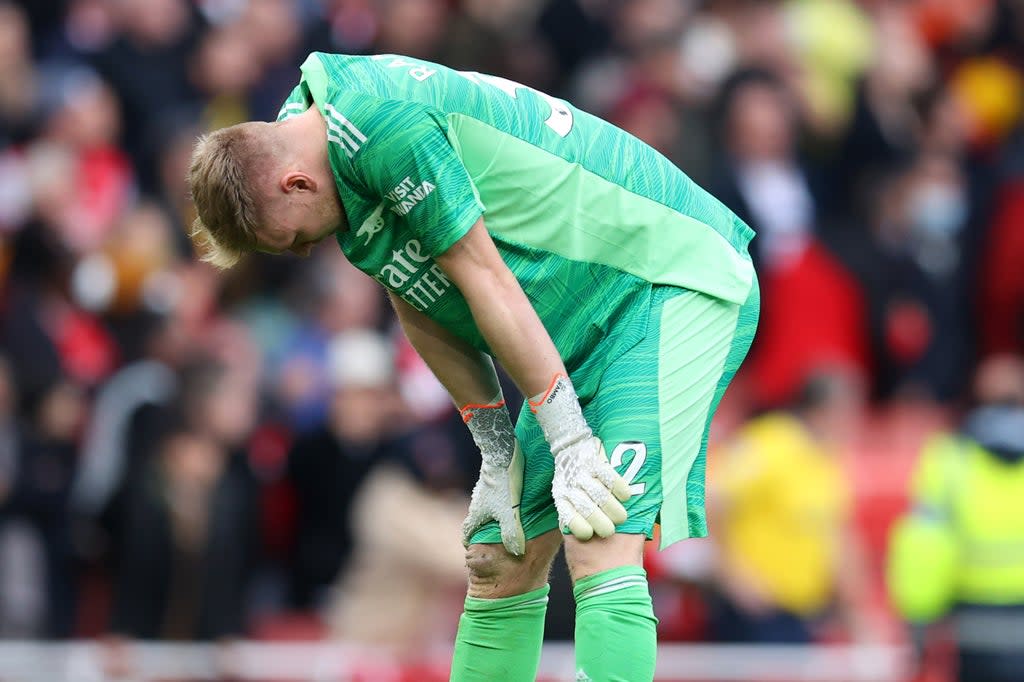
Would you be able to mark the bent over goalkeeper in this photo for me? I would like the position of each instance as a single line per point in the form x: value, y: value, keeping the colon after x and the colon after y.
x: 505, y: 223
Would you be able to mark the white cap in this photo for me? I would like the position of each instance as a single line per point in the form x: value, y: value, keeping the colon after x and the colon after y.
x: 360, y: 358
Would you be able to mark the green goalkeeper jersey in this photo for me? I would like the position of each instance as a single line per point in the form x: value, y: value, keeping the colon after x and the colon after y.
x: 585, y: 215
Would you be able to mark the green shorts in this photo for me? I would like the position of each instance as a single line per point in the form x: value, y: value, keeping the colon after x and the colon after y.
x: 652, y: 409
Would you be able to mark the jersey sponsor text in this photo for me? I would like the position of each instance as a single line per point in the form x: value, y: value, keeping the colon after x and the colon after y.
x: 409, y: 274
x: 407, y: 194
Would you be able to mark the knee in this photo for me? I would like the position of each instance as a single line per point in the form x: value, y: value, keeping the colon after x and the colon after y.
x: 494, y: 573
x: 603, y: 554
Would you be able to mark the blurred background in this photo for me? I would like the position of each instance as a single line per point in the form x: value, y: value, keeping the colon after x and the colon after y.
x: 256, y: 459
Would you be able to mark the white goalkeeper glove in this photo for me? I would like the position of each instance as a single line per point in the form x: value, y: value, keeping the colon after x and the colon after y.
x: 587, y: 491
x: 499, y: 489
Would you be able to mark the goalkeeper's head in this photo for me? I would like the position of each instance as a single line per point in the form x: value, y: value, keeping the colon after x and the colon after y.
x: 263, y: 187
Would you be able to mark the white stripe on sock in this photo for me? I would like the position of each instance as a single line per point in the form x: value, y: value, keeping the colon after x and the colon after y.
x: 538, y: 600
x: 605, y: 589
x: 615, y: 581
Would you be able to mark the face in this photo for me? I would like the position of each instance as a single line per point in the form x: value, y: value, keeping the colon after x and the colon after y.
x: 298, y: 217
x: 760, y: 124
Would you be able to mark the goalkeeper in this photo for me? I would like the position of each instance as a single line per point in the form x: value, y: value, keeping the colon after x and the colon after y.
x: 505, y: 223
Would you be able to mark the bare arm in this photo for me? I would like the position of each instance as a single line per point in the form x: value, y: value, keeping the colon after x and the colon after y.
x: 502, y: 313
x: 466, y: 373
x: 517, y: 337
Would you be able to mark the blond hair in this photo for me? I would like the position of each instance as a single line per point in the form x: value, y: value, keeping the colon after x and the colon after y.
x: 225, y: 167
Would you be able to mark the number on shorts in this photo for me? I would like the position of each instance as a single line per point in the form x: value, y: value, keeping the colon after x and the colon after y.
x: 639, y: 451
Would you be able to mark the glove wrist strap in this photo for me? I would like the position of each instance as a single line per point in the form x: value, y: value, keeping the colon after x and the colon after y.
x: 492, y: 431
x: 559, y: 414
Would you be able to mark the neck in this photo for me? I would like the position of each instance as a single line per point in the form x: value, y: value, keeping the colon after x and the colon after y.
x: 306, y: 136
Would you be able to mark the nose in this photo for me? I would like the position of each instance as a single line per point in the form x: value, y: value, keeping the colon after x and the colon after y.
x: 303, y: 249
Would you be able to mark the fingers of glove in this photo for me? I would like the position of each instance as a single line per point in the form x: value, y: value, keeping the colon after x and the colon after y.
x: 614, y: 510
x: 583, y: 527
x: 604, y: 500
x: 580, y: 529
x: 620, y: 489
x: 569, y: 518
x: 611, y: 479
x: 512, y: 535
x: 469, y: 526
x: 601, y: 524
x: 611, y: 510
x: 516, y: 470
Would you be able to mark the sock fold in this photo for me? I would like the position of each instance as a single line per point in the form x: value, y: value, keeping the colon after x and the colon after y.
x: 616, y: 636
x: 500, y: 639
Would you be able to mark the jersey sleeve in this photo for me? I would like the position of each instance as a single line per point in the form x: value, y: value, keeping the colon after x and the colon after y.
x: 397, y: 154
x: 296, y: 103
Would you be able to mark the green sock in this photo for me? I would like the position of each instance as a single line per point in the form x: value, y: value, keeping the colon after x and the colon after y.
x: 616, y: 638
x: 500, y: 639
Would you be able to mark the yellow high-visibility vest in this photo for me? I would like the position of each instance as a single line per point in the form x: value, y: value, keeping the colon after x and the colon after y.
x: 963, y: 539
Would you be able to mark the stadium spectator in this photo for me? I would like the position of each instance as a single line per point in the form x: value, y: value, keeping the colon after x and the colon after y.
x: 397, y: 586
x: 188, y: 532
x: 146, y: 64
x: 189, y: 546
x: 782, y: 518
x: 37, y: 500
x: 19, y: 80
x: 922, y: 315
x: 1001, y: 290
x: 882, y: 130
x: 955, y: 554
x: 22, y: 592
x: 812, y: 308
x: 328, y: 466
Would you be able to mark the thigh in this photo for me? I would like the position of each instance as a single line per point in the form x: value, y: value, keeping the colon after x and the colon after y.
x: 703, y: 342
x: 624, y: 414
x: 586, y: 558
x: 654, y: 406
x: 661, y: 390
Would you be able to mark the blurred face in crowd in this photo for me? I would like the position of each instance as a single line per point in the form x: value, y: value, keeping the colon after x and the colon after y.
x: 226, y: 63
x: 640, y: 22
x: 272, y: 29
x: 653, y: 119
x: 350, y: 299
x: 904, y: 65
x: 14, y: 40
x: 412, y: 27
x: 192, y: 461
x: 224, y: 407
x: 936, y: 202
x: 61, y: 412
x: 1000, y: 380
x: 760, y: 125
x: 945, y: 125
x: 153, y: 22
x: 90, y: 117
x: 358, y: 414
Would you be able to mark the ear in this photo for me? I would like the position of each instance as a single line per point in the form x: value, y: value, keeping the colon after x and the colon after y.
x: 297, y: 181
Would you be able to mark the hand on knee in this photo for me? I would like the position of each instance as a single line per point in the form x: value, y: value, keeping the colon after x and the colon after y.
x: 495, y: 573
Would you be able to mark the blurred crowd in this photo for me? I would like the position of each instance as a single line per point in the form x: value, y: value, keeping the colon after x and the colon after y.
x: 184, y: 452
